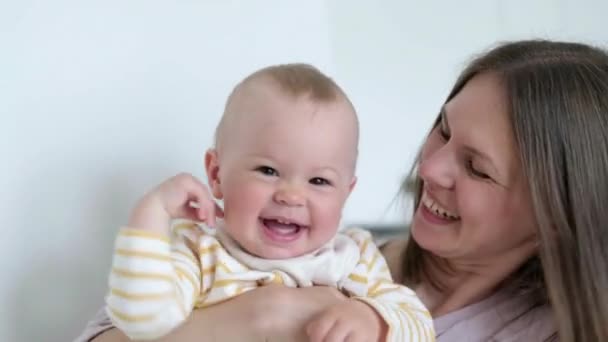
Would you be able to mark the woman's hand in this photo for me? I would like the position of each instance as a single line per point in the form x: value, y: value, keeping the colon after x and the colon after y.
x: 272, y: 313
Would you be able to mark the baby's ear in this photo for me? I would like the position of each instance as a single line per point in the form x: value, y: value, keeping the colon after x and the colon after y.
x: 353, y: 182
x: 212, y: 166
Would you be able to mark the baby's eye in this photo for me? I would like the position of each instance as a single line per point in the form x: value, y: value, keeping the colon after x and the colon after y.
x: 267, y: 170
x: 319, y: 181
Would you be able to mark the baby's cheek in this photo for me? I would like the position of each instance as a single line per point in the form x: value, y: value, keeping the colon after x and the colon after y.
x: 330, y: 215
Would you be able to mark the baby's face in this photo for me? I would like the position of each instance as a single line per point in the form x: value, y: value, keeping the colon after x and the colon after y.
x: 286, y: 168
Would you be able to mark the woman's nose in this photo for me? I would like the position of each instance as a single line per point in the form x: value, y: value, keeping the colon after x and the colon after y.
x: 437, y: 168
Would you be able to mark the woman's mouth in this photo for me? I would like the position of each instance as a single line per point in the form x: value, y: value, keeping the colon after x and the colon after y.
x: 435, y: 212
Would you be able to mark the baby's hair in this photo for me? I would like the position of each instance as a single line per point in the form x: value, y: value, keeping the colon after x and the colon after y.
x: 294, y: 80
x: 298, y: 79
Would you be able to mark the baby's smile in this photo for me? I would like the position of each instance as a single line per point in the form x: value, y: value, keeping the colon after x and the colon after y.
x: 282, y: 230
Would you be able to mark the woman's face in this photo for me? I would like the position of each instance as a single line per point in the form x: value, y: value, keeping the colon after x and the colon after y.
x: 475, y: 206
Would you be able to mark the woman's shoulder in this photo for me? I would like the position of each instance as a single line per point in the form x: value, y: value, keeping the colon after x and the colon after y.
x: 505, y: 316
x: 534, y: 324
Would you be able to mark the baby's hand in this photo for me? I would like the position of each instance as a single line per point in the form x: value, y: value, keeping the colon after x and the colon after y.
x: 351, y: 320
x: 181, y: 196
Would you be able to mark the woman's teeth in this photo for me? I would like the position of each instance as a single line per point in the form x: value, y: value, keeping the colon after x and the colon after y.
x: 437, y: 209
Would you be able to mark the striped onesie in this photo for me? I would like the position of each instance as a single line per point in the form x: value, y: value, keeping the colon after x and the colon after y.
x: 156, y: 282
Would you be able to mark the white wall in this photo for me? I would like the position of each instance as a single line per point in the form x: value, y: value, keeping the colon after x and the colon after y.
x: 99, y: 100
x: 398, y: 59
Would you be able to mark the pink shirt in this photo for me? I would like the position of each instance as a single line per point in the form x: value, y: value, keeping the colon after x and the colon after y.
x: 504, y: 316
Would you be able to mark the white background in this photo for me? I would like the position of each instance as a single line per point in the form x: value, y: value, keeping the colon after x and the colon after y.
x: 100, y: 100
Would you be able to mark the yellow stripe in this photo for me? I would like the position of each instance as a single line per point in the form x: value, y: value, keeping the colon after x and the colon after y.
x: 373, y: 262
x: 129, y: 318
x: 140, y: 296
x: 409, y: 326
x: 224, y: 282
x: 224, y: 267
x: 196, y: 286
x: 195, y: 295
x: 186, y: 226
x: 368, y: 264
x: 413, y: 318
x: 239, y: 290
x: 383, y: 291
x: 190, y: 257
x: 407, y: 307
x: 206, y: 250
x: 425, y: 333
x: 141, y: 254
x: 208, y: 270
x: 364, y: 246
x: 379, y: 283
x: 143, y: 234
x: 188, y: 277
x: 141, y: 275
x: 277, y: 278
x: 358, y: 278
x: 180, y: 302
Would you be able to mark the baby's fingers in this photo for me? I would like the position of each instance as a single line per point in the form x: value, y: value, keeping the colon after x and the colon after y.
x: 219, y: 212
x: 200, y: 202
x: 205, y: 211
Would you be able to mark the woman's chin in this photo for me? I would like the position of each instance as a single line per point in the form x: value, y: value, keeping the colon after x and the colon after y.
x: 433, y: 238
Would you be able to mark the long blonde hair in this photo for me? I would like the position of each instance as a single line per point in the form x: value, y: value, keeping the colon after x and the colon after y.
x: 558, y: 98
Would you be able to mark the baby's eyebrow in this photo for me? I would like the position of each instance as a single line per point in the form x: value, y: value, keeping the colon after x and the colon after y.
x: 334, y: 172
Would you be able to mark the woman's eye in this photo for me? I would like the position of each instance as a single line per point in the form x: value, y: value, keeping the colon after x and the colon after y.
x: 472, y: 170
x: 267, y: 170
x: 319, y: 181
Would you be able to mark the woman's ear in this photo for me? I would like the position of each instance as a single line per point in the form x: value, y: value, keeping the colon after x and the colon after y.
x: 212, y: 166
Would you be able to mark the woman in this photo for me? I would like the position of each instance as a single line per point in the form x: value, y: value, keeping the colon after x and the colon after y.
x: 509, y: 235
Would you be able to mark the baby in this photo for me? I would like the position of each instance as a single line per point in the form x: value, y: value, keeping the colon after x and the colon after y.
x: 283, y: 164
